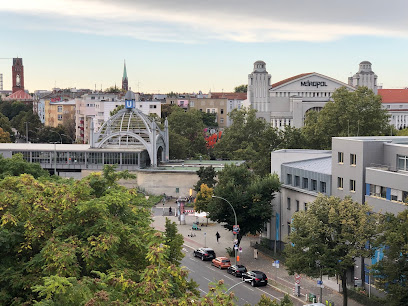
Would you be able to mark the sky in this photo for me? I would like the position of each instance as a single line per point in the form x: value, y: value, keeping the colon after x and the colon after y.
x: 188, y: 45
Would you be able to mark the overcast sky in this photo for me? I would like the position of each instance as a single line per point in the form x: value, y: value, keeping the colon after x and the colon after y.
x: 182, y: 45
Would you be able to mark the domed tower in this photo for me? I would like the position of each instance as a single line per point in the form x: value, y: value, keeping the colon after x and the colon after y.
x: 364, y: 77
x: 259, y: 83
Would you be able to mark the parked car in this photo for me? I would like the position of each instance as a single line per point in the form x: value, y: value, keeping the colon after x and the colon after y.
x: 221, y: 262
x: 255, y: 278
x: 204, y: 253
x: 237, y: 270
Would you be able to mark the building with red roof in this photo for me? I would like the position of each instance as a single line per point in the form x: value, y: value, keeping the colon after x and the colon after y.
x: 396, y: 102
x: 20, y: 95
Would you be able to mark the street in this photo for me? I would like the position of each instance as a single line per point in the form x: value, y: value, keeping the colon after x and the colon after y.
x: 203, y: 273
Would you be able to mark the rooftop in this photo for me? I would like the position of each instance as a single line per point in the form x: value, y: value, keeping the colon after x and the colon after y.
x: 320, y: 165
x: 394, y: 95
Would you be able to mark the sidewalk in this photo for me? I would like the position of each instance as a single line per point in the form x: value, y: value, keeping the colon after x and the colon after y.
x: 278, y: 278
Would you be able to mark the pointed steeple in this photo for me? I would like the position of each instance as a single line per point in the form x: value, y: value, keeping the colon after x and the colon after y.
x: 124, y: 71
x: 124, y: 78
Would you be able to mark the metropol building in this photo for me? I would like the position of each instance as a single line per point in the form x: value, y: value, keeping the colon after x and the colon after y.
x: 286, y: 102
x: 129, y: 139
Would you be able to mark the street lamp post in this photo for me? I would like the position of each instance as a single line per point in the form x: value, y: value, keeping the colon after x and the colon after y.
x: 236, y: 223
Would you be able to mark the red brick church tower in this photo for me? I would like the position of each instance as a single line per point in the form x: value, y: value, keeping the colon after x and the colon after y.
x: 18, y: 74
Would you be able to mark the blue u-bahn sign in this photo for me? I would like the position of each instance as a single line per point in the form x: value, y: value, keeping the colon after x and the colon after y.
x: 129, y: 104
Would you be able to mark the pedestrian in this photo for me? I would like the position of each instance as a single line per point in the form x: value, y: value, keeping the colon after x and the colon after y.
x: 255, y: 253
x: 170, y: 211
x: 218, y: 236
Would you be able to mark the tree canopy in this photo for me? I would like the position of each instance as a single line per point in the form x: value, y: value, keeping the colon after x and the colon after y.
x: 186, y: 133
x: 241, y: 88
x: 249, y: 194
x: 68, y: 242
x: 357, y: 113
x: 392, y: 271
x: 16, y: 165
x: 207, y: 176
x: 328, y: 236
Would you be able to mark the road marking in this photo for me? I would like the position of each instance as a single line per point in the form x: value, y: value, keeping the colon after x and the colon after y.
x: 207, y: 279
x: 190, y: 269
x: 202, y: 290
x: 269, y: 294
x: 230, y: 277
x: 189, y: 246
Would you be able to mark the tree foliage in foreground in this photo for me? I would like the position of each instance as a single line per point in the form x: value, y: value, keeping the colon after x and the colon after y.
x: 68, y: 242
x: 330, y: 235
x: 206, y: 176
x: 249, y: 194
x: 391, y: 273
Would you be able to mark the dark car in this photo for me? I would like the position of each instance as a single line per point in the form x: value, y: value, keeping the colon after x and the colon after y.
x: 204, y: 253
x: 255, y: 278
x: 237, y: 270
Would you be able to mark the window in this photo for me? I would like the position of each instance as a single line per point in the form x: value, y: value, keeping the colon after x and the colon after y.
x: 305, y: 206
x: 60, y: 109
x: 297, y: 181
x: 314, y: 185
x: 288, y: 204
x: 353, y: 159
x: 353, y: 185
x: 222, y: 110
x: 59, y: 117
x: 372, y: 190
x: 297, y: 205
x: 305, y: 183
x: 383, y: 192
x: 191, y: 103
x: 323, y: 187
x: 402, y: 162
x: 288, y: 228
x: 340, y: 157
x: 340, y: 183
x: 289, y: 179
x: 221, y: 120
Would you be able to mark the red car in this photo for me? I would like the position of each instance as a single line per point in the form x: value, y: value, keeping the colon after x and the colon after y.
x: 221, y: 262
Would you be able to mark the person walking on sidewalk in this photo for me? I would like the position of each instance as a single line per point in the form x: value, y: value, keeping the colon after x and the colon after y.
x: 255, y: 253
x: 218, y: 236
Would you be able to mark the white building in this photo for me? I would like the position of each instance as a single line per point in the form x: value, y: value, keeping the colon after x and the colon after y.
x: 396, y: 102
x: 286, y: 102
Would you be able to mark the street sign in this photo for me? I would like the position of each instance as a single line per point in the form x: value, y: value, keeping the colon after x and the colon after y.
x: 319, y: 282
x: 205, y: 234
x: 236, y: 247
x: 297, y: 281
x: 235, y: 229
x: 240, y: 249
x: 297, y: 276
x: 277, y: 264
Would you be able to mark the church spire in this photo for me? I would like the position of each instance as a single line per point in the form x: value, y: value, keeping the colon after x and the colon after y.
x: 124, y: 78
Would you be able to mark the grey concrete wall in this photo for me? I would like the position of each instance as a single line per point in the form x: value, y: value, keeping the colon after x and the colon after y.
x: 395, y: 180
x: 159, y: 182
x: 381, y: 205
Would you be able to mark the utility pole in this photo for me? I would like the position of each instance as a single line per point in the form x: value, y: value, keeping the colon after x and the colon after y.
x: 26, y: 131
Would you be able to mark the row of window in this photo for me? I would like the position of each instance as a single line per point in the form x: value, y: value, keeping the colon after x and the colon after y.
x: 353, y: 158
x: 288, y: 204
x: 340, y: 184
x: 388, y: 193
x: 305, y: 183
x: 402, y: 163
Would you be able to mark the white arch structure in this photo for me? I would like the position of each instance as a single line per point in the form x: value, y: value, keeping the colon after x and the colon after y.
x: 131, y: 129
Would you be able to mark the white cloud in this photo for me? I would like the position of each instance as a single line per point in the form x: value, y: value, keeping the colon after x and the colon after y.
x: 197, y: 21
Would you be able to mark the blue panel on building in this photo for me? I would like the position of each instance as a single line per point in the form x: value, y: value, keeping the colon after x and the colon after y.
x: 367, y: 189
x: 129, y: 104
x: 388, y: 194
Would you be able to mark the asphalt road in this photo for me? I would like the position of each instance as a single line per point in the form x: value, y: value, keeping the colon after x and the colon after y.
x: 203, y: 273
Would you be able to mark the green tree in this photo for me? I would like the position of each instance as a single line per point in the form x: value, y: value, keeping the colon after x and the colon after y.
x: 203, y: 198
x: 62, y: 228
x: 267, y: 301
x: 391, y: 272
x: 16, y: 166
x: 174, y: 241
x: 241, y: 88
x: 186, y: 133
x: 5, y: 124
x: 113, y: 89
x: 26, y: 121
x: 115, y: 111
x: 357, y: 113
x: 4, y: 136
x: 250, y: 139
x: 10, y: 109
x: 209, y: 119
x: 207, y: 176
x: 330, y: 235
x: 249, y: 194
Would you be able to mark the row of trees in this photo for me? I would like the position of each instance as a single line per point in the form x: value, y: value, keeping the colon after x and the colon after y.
x: 357, y: 113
